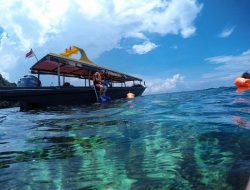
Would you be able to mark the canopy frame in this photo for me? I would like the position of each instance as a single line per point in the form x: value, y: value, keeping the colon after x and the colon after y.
x: 54, y: 64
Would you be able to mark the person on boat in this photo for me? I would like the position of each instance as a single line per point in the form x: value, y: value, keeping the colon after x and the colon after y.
x: 97, y: 79
x: 67, y: 84
x: 106, y: 79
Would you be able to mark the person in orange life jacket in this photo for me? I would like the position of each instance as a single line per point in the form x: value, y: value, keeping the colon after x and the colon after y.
x: 97, y: 78
x: 246, y: 75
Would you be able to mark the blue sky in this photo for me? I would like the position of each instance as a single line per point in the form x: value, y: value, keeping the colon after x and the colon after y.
x: 173, y: 45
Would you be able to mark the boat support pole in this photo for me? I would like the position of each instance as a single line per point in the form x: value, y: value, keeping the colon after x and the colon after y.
x: 58, y: 73
x: 63, y: 79
x: 94, y: 88
x: 95, y: 93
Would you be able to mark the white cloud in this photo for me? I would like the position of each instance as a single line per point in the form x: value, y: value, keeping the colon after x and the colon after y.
x: 144, y: 48
x: 7, y: 63
x: 97, y: 26
x: 3, y: 38
x: 155, y: 86
x: 229, y: 66
x: 138, y: 35
x: 91, y: 8
x: 226, y: 32
x: 187, y: 32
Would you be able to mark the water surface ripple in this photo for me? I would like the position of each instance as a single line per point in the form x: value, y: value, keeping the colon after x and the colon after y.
x: 189, y: 140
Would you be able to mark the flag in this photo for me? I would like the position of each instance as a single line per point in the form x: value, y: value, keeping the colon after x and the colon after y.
x: 29, y: 54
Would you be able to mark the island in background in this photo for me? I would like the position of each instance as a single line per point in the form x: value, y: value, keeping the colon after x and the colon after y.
x: 5, y: 83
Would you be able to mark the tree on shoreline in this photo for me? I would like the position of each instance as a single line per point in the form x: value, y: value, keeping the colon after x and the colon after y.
x: 6, y: 83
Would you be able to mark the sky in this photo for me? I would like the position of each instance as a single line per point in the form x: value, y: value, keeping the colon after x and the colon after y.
x: 174, y: 45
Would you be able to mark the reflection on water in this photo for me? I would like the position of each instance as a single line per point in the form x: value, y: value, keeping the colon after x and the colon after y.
x: 192, y: 140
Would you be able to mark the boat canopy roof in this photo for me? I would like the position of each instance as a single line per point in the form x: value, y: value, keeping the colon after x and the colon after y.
x: 53, y: 64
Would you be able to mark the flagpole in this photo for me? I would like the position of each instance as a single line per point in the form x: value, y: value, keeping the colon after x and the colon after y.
x: 34, y: 55
x: 38, y: 74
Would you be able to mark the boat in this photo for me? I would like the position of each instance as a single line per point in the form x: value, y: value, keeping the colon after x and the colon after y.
x: 31, y: 94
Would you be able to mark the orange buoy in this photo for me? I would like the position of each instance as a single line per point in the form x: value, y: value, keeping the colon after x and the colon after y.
x: 242, y: 84
x: 130, y: 95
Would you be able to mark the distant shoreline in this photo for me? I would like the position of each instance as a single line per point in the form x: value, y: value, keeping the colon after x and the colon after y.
x: 6, y: 83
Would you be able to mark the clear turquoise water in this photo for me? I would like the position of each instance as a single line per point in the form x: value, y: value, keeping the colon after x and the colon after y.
x: 190, y: 140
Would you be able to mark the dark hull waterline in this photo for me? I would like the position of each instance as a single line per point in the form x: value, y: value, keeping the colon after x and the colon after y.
x: 31, y: 98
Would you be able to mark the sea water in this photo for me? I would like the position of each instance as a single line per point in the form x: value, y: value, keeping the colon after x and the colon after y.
x: 188, y: 140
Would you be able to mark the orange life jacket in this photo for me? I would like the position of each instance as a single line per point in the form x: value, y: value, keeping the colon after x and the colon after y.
x: 242, y: 84
x: 97, y: 78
